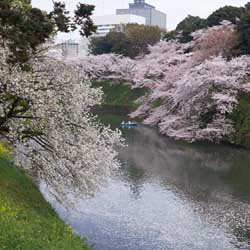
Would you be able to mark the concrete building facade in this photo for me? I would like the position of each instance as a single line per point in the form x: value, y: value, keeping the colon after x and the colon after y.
x: 107, y: 23
x: 140, y: 8
x: 67, y: 49
x: 70, y: 48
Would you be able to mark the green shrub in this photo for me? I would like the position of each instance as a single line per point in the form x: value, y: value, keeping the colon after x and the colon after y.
x: 157, y: 103
x: 208, y: 117
x: 241, y: 119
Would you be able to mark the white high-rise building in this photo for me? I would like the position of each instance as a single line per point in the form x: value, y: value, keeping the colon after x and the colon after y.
x: 107, y: 23
x: 152, y: 15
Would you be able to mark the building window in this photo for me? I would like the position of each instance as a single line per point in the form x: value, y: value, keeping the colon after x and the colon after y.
x: 139, y: 1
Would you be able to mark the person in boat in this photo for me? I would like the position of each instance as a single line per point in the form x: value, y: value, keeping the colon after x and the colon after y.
x: 129, y: 123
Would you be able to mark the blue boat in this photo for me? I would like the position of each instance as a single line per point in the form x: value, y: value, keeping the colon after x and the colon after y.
x: 129, y: 124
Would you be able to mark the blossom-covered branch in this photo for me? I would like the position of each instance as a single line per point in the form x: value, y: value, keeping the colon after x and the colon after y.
x: 44, y: 115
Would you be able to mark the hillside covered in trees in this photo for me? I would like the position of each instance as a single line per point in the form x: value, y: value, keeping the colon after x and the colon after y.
x: 199, y: 87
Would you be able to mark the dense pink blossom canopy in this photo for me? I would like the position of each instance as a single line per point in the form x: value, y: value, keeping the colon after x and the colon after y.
x: 188, y: 81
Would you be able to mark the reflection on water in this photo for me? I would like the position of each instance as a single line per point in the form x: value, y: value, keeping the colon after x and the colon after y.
x: 169, y: 195
x: 199, y: 170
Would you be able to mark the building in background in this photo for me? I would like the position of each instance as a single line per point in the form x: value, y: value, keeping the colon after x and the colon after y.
x: 70, y: 48
x: 67, y: 49
x: 107, y: 23
x: 140, y: 8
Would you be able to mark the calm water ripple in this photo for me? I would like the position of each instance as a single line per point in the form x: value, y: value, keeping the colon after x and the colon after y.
x: 169, y: 196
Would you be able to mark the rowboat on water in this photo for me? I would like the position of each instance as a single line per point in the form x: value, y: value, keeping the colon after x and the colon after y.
x: 129, y: 124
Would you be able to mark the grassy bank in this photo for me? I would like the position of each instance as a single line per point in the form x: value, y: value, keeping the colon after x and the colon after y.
x: 119, y: 93
x: 27, y: 221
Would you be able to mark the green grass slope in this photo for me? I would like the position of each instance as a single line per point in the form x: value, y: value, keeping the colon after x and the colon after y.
x: 27, y: 221
x: 119, y: 93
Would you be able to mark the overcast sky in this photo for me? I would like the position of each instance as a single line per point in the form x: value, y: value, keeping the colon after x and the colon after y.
x: 175, y: 9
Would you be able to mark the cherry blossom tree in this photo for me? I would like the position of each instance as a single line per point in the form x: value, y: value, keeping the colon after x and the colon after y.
x: 45, y: 115
x: 193, y: 87
x: 215, y: 41
x: 197, y: 107
x: 45, y: 103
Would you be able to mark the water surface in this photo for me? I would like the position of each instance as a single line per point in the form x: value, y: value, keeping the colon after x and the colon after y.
x: 169, y: 196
